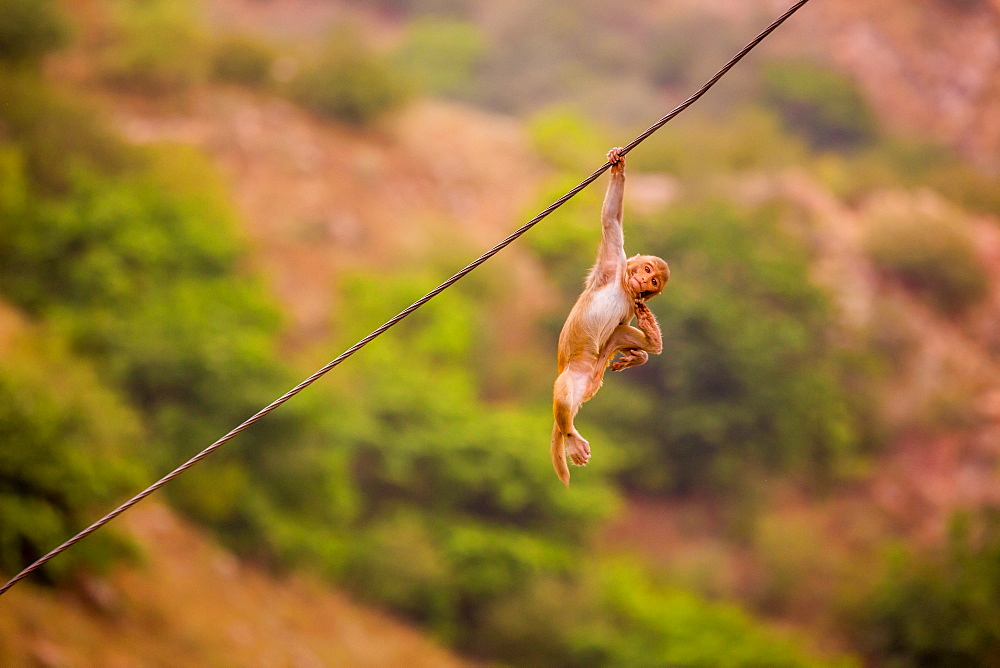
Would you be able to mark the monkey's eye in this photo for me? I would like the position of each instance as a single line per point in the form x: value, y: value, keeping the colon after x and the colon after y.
x: 655, y: 283
x: 647, y: 268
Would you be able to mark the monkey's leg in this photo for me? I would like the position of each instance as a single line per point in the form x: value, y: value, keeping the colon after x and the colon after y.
x: 571, y: 390
x: 629, y: 341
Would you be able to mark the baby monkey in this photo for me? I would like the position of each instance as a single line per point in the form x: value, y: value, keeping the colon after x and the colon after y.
x: 615, y: 291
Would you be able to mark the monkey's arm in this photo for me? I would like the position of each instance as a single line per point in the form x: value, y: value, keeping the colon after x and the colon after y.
x: 649, y: 327
x: 611, y: 254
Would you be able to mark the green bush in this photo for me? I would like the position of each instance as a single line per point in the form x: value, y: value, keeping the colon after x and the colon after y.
x: 655, y: 625
x: 931, y: 254
x: 243, y: 61
x: 55, y: 134
x: 140, y: 271
x: 156, y: 47
x: 446, y: 450
x: 612, y: 613
x: 140, y: 268
x: 464, y: 489
x: 748, y: 139
x: 918, y: 164
x: 567, y: 241
x: 940, y: 611
x: 348, y: 83
x: 441, y: 55
x: 87, y: 251
x: 821, y: 104
x: 897, y: 162
x: 568, y: 140
x: 70, y: 448
x: 749, y: 379
x: 970, y: 188
x: 29, y: 29
x: 461, y: 526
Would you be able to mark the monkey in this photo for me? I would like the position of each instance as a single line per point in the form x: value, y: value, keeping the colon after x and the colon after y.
x: 597, y: 328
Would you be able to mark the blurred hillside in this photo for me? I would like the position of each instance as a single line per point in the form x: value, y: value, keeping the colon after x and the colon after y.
x: 131, y: 618
x: 925, y: 67
x: 200, y: 204
x: 929, y: 67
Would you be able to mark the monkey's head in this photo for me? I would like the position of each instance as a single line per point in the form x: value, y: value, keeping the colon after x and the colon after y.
x: 645, y: 276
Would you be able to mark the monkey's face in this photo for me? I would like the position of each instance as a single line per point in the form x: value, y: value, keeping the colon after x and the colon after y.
x: 646, y: 275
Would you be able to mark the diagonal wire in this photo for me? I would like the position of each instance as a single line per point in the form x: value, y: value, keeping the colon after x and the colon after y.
x: 402, y: 314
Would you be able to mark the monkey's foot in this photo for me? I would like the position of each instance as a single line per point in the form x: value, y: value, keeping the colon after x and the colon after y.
x: 621, y: 363
x: 625, y: 361
x: 578, y: 449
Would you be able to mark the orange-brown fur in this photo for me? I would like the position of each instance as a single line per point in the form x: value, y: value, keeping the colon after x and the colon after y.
x: 598, y: 325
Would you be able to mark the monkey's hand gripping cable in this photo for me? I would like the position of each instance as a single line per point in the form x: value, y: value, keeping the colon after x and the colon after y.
x: 402, y: 314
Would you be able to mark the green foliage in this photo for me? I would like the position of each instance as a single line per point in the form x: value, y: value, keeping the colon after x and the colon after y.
x: 85, y: 250
x: 55, y: 134
x: 242, y: 61
x: 68, y: 449
x: 445, y: 450
x: 29, y: 29
x: 653, y: 625
x: 931, y: 254
x: 701, y: 147
x: 140, y: 271
x: 156, y: 47
x: 748, y: 379
x: 567, y: 242
x: 943, y: 611
x: 956, y: 179
x: 441, y: 55
x: 462, y: 526
x: 349, y: 82
x: 821, y: 104
x: 140, y: 268
x: 613, y: 614
x: 567, y: 139
x: 458, y: 489
x: 895, y: 162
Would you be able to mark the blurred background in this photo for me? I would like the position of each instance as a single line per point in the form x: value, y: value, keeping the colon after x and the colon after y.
x: 203, y: 202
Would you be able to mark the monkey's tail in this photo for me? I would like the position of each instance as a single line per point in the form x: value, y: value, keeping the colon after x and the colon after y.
x: 558, y: 450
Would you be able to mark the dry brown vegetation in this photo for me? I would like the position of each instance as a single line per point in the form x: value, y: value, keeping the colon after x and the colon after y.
x: 189, y: 602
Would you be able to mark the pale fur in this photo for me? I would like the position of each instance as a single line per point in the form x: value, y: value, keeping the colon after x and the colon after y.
x: 597, y: 327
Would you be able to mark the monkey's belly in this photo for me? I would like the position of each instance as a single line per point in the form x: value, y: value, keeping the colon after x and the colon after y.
x: 607, y: 310
x: 591, y: 323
